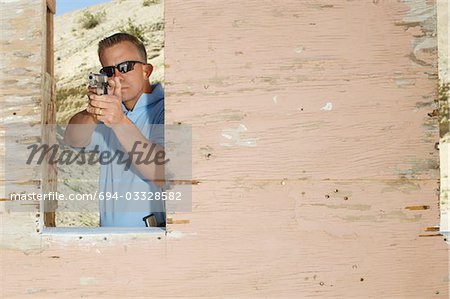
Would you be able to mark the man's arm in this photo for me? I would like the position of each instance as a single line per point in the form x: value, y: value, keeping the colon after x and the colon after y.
x: 129, y: 136
x: 79, y: 131
x: 132, y: 141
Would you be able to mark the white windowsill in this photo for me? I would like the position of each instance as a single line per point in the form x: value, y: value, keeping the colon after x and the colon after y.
x: 102, y: 230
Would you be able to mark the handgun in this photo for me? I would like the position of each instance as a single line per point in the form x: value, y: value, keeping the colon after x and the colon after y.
x: 99, y: 82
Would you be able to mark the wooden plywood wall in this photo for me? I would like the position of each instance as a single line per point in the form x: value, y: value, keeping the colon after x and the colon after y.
x: 27, y: 97
x: 315, y: 157
x: 329, y: 186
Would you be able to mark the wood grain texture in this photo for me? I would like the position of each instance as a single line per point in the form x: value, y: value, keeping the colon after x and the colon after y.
x: 289, y: 203
x: 274, y: 77
x: 23, y: 89
x: 292, y: 243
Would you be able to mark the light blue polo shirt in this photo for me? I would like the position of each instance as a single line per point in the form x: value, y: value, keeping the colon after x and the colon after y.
x: 132, y: 189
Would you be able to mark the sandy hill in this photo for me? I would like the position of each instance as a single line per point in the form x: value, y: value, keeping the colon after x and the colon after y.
x: 76, y: 45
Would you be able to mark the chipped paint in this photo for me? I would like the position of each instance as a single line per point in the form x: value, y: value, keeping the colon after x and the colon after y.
x: 35, y: 290
x: 328, y: 107
x: 299, y: 49
x: 401, y: 81
x: 421, y: 13
x: 174, y: 234
x: 235, y: 139
x: 87, y: 281
x: 275, y: 100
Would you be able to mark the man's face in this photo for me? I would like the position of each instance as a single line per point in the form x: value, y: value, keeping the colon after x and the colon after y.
x: 133, y: 82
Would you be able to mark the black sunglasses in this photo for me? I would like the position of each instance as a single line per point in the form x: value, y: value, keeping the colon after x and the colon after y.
x: 123, y: 67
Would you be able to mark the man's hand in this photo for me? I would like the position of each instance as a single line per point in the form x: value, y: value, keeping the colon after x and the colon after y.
x: 108, y: 108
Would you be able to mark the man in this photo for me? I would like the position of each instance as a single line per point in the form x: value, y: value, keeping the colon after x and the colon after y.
x: 129, y: 118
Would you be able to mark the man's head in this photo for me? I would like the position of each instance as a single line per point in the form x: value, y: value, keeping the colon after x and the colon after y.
x: 122, y: 47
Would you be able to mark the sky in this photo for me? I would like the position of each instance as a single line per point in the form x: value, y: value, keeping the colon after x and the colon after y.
x: 64, y: 6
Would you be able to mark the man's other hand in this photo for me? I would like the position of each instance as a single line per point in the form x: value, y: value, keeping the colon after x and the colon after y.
x: 108, y: 108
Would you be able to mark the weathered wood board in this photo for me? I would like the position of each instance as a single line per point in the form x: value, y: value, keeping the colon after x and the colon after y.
x: 315, y: 156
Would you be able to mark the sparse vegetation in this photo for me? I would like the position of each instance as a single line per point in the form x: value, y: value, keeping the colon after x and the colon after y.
x: 69, y: 100
x: 89, y: 20
x: 64, y: 93
x: 157, y: 26
x: 149, y: 2
x: 443, y: 93
x: 136, y: 30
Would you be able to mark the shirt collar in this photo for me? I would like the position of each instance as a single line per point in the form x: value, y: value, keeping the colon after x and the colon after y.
x: 148, y: 99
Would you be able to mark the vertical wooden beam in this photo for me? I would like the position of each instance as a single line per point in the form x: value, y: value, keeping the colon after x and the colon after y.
x: 49, y: 114
x: 51, y: 4
x: 443, y: 23
x: 49, y: 40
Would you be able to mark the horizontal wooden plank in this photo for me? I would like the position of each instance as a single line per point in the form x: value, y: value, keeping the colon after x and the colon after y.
x: 263, y: 239
x: 230, y: 139
x: 307, y: 93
